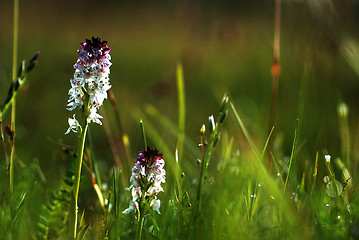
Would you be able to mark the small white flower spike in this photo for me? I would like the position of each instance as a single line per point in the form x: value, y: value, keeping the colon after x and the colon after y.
x: 146, y: 179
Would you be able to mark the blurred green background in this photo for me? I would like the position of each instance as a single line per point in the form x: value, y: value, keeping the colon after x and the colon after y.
x: 225, y: 46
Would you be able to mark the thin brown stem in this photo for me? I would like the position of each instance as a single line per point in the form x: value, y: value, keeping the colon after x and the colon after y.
x: 111, y: 140
x: 121, y: 145
x: 275, y: 70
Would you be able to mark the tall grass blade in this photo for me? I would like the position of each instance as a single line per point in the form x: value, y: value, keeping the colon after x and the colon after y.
x: 267, y: 142
x: 181, y: 126
x: 342, y: 110
x: 245, y: 132
x: 13, y: 105
x: 143, y: 133
x: 315, y: 172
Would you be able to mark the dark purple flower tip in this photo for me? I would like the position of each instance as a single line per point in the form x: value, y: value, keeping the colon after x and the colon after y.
x: 95, y: 44
x: 149, y: 156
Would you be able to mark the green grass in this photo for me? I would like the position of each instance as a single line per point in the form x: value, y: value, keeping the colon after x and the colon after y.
x: 171, y: 67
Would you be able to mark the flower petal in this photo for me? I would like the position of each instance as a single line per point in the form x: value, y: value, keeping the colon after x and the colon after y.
x: 74, y: 125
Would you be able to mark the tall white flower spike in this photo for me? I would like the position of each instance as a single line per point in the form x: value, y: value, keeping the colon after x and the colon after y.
x: 90, y: 82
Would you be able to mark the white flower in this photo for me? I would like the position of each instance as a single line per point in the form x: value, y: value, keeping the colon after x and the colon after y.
x: 156, y: 204
x: 136, y: 193
x: 94, y: 116
x: 76, y: 95
x: 74, y: 125
x: 133, y: 206
x: 154, y: 190
x: 327, y: 158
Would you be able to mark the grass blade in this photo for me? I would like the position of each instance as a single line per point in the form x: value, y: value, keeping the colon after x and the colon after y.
x: 245, y: 132
x: 181, y: 126
x: 292, y: 155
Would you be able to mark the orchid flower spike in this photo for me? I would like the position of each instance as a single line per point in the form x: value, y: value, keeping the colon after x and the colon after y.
x: 90, y: 82
x: 146, y: 179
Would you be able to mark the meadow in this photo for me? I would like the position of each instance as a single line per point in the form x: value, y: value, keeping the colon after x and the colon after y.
x: 243, y: 159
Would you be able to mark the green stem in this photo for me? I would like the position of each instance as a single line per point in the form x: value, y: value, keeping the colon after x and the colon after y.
x: 139, y: 226
x: 11, y: 169
x: 14, y: 60
x: 205, y: 164
x: 93, y: 169
x: 15, y: 37
x: 80, y: 153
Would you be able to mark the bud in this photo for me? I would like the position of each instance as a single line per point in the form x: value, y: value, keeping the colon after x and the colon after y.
x: 212, y: 124
x: 223, y: 117
x: 34, y: 58
x: 218, y: 136
x: 224, y: 103
x: 203, y: 129
x: 33, y: 62
x: 21, y: 68
x: 31, y: 66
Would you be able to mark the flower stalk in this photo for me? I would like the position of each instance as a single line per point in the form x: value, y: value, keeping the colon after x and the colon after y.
x: 213, y: 127
x: 139, y: 225
x: 80, y: 153
x: 207, y: 156
x: 89, y: 88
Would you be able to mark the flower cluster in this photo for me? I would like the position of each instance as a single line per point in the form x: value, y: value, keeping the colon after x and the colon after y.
x: 146, y: 179
x: 91, y: 78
